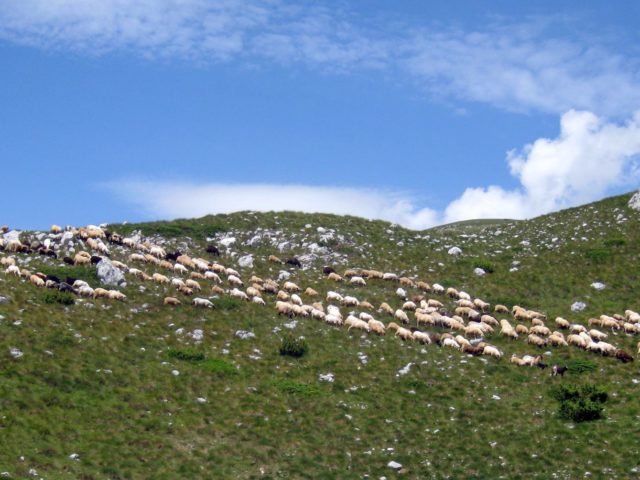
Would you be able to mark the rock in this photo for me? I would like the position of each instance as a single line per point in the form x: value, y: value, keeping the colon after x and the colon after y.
x: 479, y: 271
x: 598, y: 285
x: 578, y: 306
x: 12, y: 235
x: 495, y: 397
x: 283, y: 275
x: 253, y: 241
x: 244, y: 335
x: 175, y: 373
x: 74, y: 456
x: 246, y: 261
x: 108, y: 274
x: 321, y: 230
x: 67, y: 238
x: 291, y: 325
x: 454, y: 251
x: 197, y: 335
x: 394, y: 465
x: 15, y: 352
x: 404, y: 370
x: 227, y: 242
x: 284, y: 246
x: 4, y: 299
x: 634, y: 202
x: 327, y: 377
x: 201, y: 400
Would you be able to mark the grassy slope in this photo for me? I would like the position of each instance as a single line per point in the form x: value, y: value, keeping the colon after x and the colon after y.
x: 95, y: 378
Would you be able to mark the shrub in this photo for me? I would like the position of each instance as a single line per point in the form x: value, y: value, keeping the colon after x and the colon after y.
x: 484, y: 264
x: 580, y: 366
x: 598, y: 254
x: 580, y: 403
x: 55, y: 296
x: 614, y: 242
x: 186, y: 354
x: 218, y: 366
x: 292, y: 346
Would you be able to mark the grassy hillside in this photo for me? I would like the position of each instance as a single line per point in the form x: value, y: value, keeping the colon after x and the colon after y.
x: 129, y: 389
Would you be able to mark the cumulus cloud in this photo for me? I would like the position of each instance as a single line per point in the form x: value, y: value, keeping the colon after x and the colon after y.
x: 589, y: 157
x: 164, y: 200
x: 526, y: 66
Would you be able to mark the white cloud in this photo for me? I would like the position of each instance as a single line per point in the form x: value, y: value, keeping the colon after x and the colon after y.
x: 589, y: 157
x: 164, y: 200
x: 526, y: 66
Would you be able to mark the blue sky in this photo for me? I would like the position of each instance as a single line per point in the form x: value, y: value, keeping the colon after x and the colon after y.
x: 415, y: 112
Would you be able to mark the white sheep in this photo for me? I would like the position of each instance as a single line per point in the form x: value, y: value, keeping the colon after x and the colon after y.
x: 401, y: 292
x: 296, y: 300
x: 334, y: 296
x: 258, y: 300
x: 12, y: 270
x: 333, y: 320
x: 376, y: 326
x: 401, y: 316
x: 235, y: 281
x: 354, y: 322
x: 236, y: 293
x: 492, y: 351
x: 437, y: 288
x: 350, y: 301
x: 358, y: 281
x: 202, y: 302
x: 422, y: 337
x: 291, y: 287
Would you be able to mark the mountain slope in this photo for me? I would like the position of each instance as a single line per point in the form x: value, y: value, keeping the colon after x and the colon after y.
x: 140, y: 390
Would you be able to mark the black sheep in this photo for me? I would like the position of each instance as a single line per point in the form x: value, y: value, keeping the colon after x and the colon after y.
x: 213, y: 250
x: 95, y: 259
x: 173, y: 256
x: 328, y: 270
x: 294, y: 262
x: 53, y: 278
x: 558, y: 370
x: 68, y: 261
x: 623, y: 356
x: 65, y: 287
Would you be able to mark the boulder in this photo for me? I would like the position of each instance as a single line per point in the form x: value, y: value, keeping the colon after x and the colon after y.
x: 246, y: 261
x: 12, y: 235
x: 454, y: 251
x: 634, y: 202
x: 227, y: 242
x: 108, y: 274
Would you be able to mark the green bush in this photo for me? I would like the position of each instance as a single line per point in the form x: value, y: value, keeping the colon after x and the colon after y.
x: 614, y: 242
x: 598, y: 254
x: 580, y: 403
x: 55, y: 296
x: 581, y: 366
x: 484, y: 264
x: 292, y: 346
x: 186, y: 354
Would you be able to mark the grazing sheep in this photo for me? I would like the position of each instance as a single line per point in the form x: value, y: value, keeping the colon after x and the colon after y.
x: 159, y: 278
x: 180, y: 269
x: 540, y: 330
x: 291, y: 287
x: 85, y: 291
x: 333, y: 320
x: 536, y: 340
x: 192, y: 284
x: 36, y: 280
x: 558, y: 370
x: 465, y: 304
x: 376, y: 326
x: 367, y: 305
x: 390, y: 276
x: 577, y: 328
x: 171, y: 301
x: 409, y: 306
x: 425, y: 319
x: 386, y: 308
x: 434, y: 303
x: 236, y: 293
x: 474, y: 331
x: 464, y: 295
x: 100, y: 293
x: 296, y: 300
x: 283, y: 308
x: 421, y: 337
x: 623, y: 356
x: 597, y: 334
x: 282, y: 295
x: 183, y: 289
x: 557, y: 341
x: 334, y: 277
x: 450, y: 342
x: 235, y: 281
x: 12, y: 270
x: 401, y: 316
x: 334, y: 296
x: 350, y: 301
x: 353, y: 322
x: 492, y: 351
x: 310, y: 292
x: 258, y: 300
x: 351, y: 272
x: 327, y: 270
x: 406, y: 282
x: 424, y: 286
x: 216, y: 290
x: 213, y: 250
x: 253, y: 292
x: 404, y: 333
x: 202, y: 302
x: 116, y: 295
x: 358, y: 281
x: 6, y: 261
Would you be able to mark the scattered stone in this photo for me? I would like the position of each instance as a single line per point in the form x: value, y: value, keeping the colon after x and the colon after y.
x: 244, y: 335
x: 15, y: 352
x: 246, y: 261
x: 479, y: 271
x: 175, y: 373
x: 598, y: 285
x: 496, y: 397
x: 227, y: 242
x: 394, y: 465
x: 108, y: 274
x: 634, y: 202
x: 4, y: 299
x: 578, y: 306
x: 327, y: 377
x: 404, y: 370
x: 201, y: 400
x: 74, y: 456
x: 455, y: 251
x: 283, y: 275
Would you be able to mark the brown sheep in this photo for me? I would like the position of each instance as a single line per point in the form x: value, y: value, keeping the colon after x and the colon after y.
x: 172, y: 301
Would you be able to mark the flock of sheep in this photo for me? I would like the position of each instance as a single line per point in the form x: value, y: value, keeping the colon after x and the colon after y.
x: 468, y: 325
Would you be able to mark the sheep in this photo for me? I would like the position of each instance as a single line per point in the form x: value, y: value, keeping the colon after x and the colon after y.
x: 471, y: 349
x: 597, y: 334
x: 562, y: 323
x: 450, y: 342
x: 78, y: 283
x: 434, y: 303
x: 36, y: 280
x: 334, y: 296
x: 202, y: 302
x: 401, y: 316
x: 159, y: 278
x: 367, y: 305
x: 557, y: 341
x: 631, y: 328
x: 491, y: 351
x: 186, y: 261
x: 482, y: 305
x: 283, y: 308
x: 217, y: 268
x: 537, y: 322
x: 465, y: 304
x: 183, y: 289
x: 334, y: 277
x: 632, y: 316
x: 350, y: 301
x: 151, y: 259
x: 453, y: 293
x: 357, y: 281
x: 558, y: 370
x: 81, y: 260
x: 404, y: 334
x: 85, y: 291
x: 534, y: 339
x: 270, y: 286
x: 351, y: 272
x: 365, y: 316
x: 216, y: 290
x: 235, y: 281
x: 489, y: 320
x: 253, y: 292
x: 171, y: 301
x: 540, y: 330
x: 180, y: 269
x: 12, y: 270
x: 258, y: 301
x: 474, y: 331
x: 282, y: 295
x: 116, y: 295
x: 464, y: 295
x: 6, y: 261
x: 517, y: 360
x: 577, y: 340
x: 310, y: 292
x: 409, y: 306
x: 26, y: 274
x: 376, y: 326
x: 390, y: 276
x: 386, y: 308
x: 100, y: 293
x: 462, y: 340
x: 421, y: 337
x: 291, y: 287
x: 333, y: 310
x: 353, y: 322
x: 136, y: 257
x: 577, y: 328
x: 424, y: 318
x: 603, y: 348
x: 437, y: 288
x: 192, y: 284
x: 235, y: 293
x: 296, y: 300
x: 425, y: 287
x: 333, y: 320
x: 500, y: 309
x: 406, y: 282
x: 623, y: 356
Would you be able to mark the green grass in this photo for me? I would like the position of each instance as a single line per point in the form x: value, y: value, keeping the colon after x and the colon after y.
x: 96, y: 377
